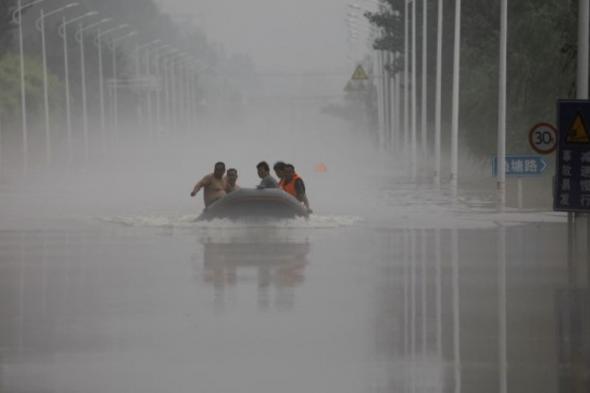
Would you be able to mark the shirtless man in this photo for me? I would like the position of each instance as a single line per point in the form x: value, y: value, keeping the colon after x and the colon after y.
x: 231, y: 179
x: 213, y: 184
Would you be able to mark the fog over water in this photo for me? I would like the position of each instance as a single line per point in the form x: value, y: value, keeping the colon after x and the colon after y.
x: 110, y: 284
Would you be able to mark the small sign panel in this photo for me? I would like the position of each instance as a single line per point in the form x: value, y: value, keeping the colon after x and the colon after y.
x: 572, y: 178
x: 359, y: 74
x: 521, y: 165
x: 543, y: 138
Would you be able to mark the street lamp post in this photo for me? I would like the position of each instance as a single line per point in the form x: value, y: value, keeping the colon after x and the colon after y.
x: 414, y: 161
x: 115, y: 84
x: 79, y: 36
x: 438, y: 103
x: 424, y: 108
x: 17, y: 17
x: 62, y: 31
x: 455, y: 100
x: 143, y: 82
x: 159, y: 79
x: 501, y: 154
x: 98, y: 43
x: 406, y: 77
x: 40, y: 25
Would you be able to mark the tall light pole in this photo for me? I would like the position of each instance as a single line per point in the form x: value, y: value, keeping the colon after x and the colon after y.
x: 40, y: 25
x: 17, y: 17
x: 79, y: 36
x: 138, y: 76
x: 414, y: 93
x: 98, y: 43
x: 438, y: 103
x: 167, y: 85
x: 501, y: 154
x: 406, y: 77
x: 115, y: 84
x: 424, y: 79
x: 63, y: 33
x: 455, y: 100
x: 157, y: 72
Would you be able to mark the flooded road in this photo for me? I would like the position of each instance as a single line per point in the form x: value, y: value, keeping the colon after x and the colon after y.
x: 336, y: 304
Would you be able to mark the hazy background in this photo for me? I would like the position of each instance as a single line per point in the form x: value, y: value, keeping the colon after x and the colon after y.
x: 279, y: 35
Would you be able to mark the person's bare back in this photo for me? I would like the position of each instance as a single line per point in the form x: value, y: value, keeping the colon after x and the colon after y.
x: 213, y: 185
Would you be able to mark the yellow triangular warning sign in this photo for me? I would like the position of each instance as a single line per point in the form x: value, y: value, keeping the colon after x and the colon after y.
x: 578, y: 133
x: 359, y: 74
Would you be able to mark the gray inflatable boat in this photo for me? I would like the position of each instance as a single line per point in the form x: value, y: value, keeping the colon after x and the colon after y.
x: 253, y: 203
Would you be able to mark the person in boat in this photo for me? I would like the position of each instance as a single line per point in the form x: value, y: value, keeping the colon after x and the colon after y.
x: 294, y: 185
x: 279, y: 168
x: 213, y: 185
x: 231, y: 179
x: 266, y: 180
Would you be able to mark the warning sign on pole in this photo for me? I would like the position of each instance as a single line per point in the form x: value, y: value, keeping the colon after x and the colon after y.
x: 572, y: 179
x: 359, y: 74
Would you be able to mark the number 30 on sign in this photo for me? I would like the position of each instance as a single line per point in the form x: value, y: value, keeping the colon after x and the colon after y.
x: 543, y: 138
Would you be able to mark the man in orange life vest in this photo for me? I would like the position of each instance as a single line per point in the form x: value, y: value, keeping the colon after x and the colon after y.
x: 279, y: 168
x: 294, y: 185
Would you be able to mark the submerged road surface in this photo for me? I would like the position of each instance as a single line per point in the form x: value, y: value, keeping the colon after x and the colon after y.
x: 436, y: 299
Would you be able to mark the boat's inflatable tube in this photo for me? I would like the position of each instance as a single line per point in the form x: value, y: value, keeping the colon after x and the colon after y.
x: 253, y: 203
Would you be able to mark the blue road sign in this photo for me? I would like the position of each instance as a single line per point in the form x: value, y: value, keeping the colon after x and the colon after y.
x: 521, y: 165
x: 572, y: 178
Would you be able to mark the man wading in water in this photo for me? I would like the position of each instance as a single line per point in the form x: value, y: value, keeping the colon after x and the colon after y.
x: 213, y: 184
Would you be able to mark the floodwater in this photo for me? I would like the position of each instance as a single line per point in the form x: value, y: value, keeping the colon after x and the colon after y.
x: 428, y: 296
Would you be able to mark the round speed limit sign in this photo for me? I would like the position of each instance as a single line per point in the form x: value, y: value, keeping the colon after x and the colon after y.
x: 543, y: 138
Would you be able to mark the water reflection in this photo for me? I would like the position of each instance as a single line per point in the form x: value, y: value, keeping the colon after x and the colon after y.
x: 273, y: 263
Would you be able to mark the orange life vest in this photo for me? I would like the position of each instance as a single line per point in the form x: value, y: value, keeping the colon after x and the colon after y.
x: 290, y: 186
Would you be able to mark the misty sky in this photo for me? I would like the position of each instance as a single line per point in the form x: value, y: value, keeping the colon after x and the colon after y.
x: 293, y: 35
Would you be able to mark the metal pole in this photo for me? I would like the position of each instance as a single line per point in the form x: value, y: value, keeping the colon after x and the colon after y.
x: 501, y: 154
x: 23, y: 93
x: 84, y: 99
x: 398, y: 108
x: 387, y: 104
x: 48, y: 155
x: 438, y: 103
x: 424, y: 78
x: 115, y: 93
x: 583, y: 41
x: 380, y: 74
x: 414, y: 91
x: 581, y: 93
x: 149, y: 113
x: 103, y: 128
x: 455, y: 103
x: 67, y: 87
x: 406, y: 80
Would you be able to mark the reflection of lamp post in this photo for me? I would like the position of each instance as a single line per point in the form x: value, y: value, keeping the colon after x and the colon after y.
x: 79, y: 36
x: 114, y: 42
x: 40, y: 25
x: 17, y: 17
x: 62, y: 31
x: 98, y: 43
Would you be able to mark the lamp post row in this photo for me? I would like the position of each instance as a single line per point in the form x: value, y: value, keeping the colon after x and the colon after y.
x: 162, y: 74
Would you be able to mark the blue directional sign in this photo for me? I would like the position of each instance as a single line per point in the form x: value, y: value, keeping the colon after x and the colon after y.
x: 572, y: 178
x: 521, y: 165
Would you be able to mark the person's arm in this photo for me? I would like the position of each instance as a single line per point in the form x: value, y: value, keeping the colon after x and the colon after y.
x: 202, y: 183
x: 301, y: 194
